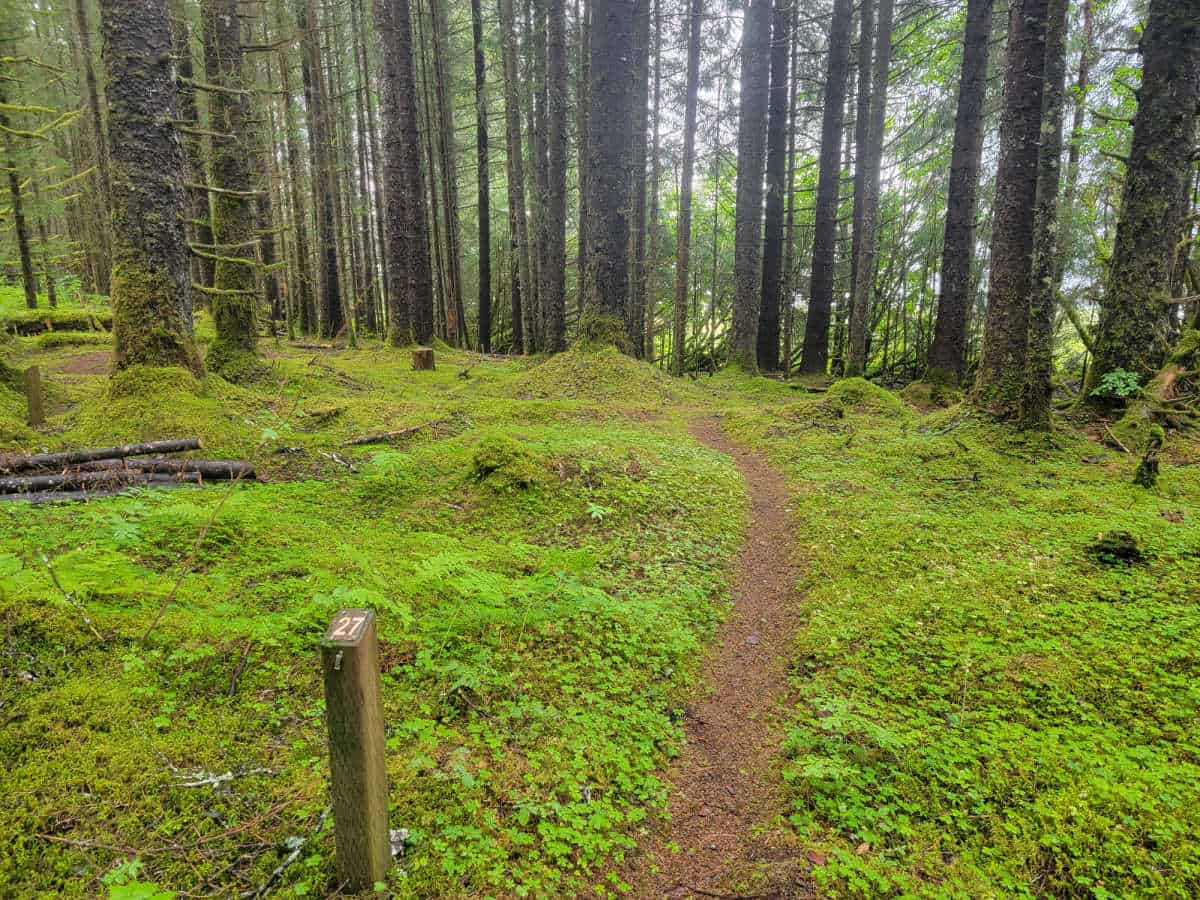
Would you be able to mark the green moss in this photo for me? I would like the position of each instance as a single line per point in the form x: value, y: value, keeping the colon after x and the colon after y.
x: 861, y: 396
x: 144, y: 331
x: 235, y: 364
x: 600, y: 331
x: 929, y: 395
x: 503, y: 464
x: 51, y: 340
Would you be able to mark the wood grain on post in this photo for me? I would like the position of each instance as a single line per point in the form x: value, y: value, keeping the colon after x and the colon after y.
x: 354, y: 718
x: 422, y: 359
x: 33, y: 394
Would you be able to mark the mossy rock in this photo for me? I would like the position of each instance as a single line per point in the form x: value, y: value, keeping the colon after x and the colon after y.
x: 505, y: 465
x: 861, y: 396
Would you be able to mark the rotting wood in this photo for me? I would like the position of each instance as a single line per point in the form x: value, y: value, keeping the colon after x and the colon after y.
x: 379, y: 437
x: 422, y: 359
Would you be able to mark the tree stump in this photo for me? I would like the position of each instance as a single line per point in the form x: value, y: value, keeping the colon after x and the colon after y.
x: 33, y: 394
x: 422, y: 359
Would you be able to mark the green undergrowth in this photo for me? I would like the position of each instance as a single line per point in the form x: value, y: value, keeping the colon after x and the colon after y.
x: 546, y: 572
x: 984, y: 705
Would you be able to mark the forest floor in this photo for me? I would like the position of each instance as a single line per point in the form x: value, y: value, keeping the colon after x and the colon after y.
x: 955, y: 693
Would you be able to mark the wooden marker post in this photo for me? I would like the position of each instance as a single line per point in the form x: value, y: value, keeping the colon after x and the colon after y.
x: 354, y: 718
x: 33, y: 395
x: 422, y: 359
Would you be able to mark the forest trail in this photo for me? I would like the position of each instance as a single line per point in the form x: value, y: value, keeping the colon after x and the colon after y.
x: 725, y: 809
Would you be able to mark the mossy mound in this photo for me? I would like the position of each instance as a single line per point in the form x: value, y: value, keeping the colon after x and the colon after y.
x: 50, y: 340
x: 14, y: 433
x: 926, y: 396
x: 599, y: 376
x: 145, y: 403
x: 505, y: 465
x: 861, y: 396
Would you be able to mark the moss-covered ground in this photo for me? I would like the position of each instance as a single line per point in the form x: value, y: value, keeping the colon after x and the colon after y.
x: 982, y: 706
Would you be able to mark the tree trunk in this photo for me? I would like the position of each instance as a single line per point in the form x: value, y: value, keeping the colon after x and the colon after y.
x: 234, y: 242
x: 1066, y: 213
x: 455, y: 325
x: 777, y: 132
x: 815, y: 358
x: 553, y: 273
x: 303, y: 299
x: 651, y: 278
x: 610, y: 92
x: 515, y: 167
x: 1001, y: 374
x: 1035, y: 404
x: 856, y: 362
x: 582, y: 103
x: 635, y: 313
x: 103, y: 155
x: 329, y: 312
x: 484, y: 329
x: 752, y: 146
x: 28, y: 278
x: 947, y: 352
x: 406, y: 253
x: 789, y: 236
x: 152, y: 309
x: 1133, y: 310
x: 862, y: 127
x: 684, y: 228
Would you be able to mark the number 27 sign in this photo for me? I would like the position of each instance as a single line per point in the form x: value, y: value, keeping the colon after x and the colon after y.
x: 349, y: 626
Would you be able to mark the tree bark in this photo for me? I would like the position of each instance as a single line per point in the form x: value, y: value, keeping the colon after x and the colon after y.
x: 862, y: 127
x: 484, y: 329
x: 1001, y: 374
x: 28, y: 278
x: 456, y: 326
x: 751, y: 164
x: 1035, y: 404
x: 553, y: 272
x: 234, y: 287
x: 152, y: 309
x: 815, y: 353
x: 777, y: 139
x: 948, y: 350
x: 610, y: 92
x: 651, y: 277
x: 1132, y: 332
x: 635, y: 313
x: 684, y: 228
x: 303, y: 301
x: 406, y: 253
x: 515, y: 163
x: 103, y: 156
x: 856, y: 362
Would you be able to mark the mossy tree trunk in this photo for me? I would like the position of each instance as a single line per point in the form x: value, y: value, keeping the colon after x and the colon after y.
x: 302, y: 298
x: 751, y: 164
x: 1000, y: 378
x: 484, y: 331
x: 611, y: 96
x: 815, y: 355
x: 235, y: 287
x: 406, y: 251
x: 151, y: 297
x: 101, y: 153
x: 21, y: 227
x: 1035, y: 402
x: 635, y: 312
x: 1132, y: 328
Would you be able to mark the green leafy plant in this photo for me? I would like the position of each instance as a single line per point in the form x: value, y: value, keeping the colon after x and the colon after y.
x: 1119, y: 384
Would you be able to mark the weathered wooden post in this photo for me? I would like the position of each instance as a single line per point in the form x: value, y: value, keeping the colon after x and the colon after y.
x: 422, y: 359
x: 354, y: 718
x: 33, y: 395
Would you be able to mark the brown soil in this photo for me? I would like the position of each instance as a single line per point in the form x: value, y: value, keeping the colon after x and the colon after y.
x: 97, y: 363
x: 726, y: 812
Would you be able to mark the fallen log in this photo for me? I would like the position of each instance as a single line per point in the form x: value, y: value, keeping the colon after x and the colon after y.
x: 73, y: 496
x: 15, y: 463
x: 213, y: 469
x: 34, y: 483
x: 380, y: 437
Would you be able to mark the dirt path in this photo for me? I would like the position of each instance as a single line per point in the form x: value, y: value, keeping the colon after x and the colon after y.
x: 725, y: 808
